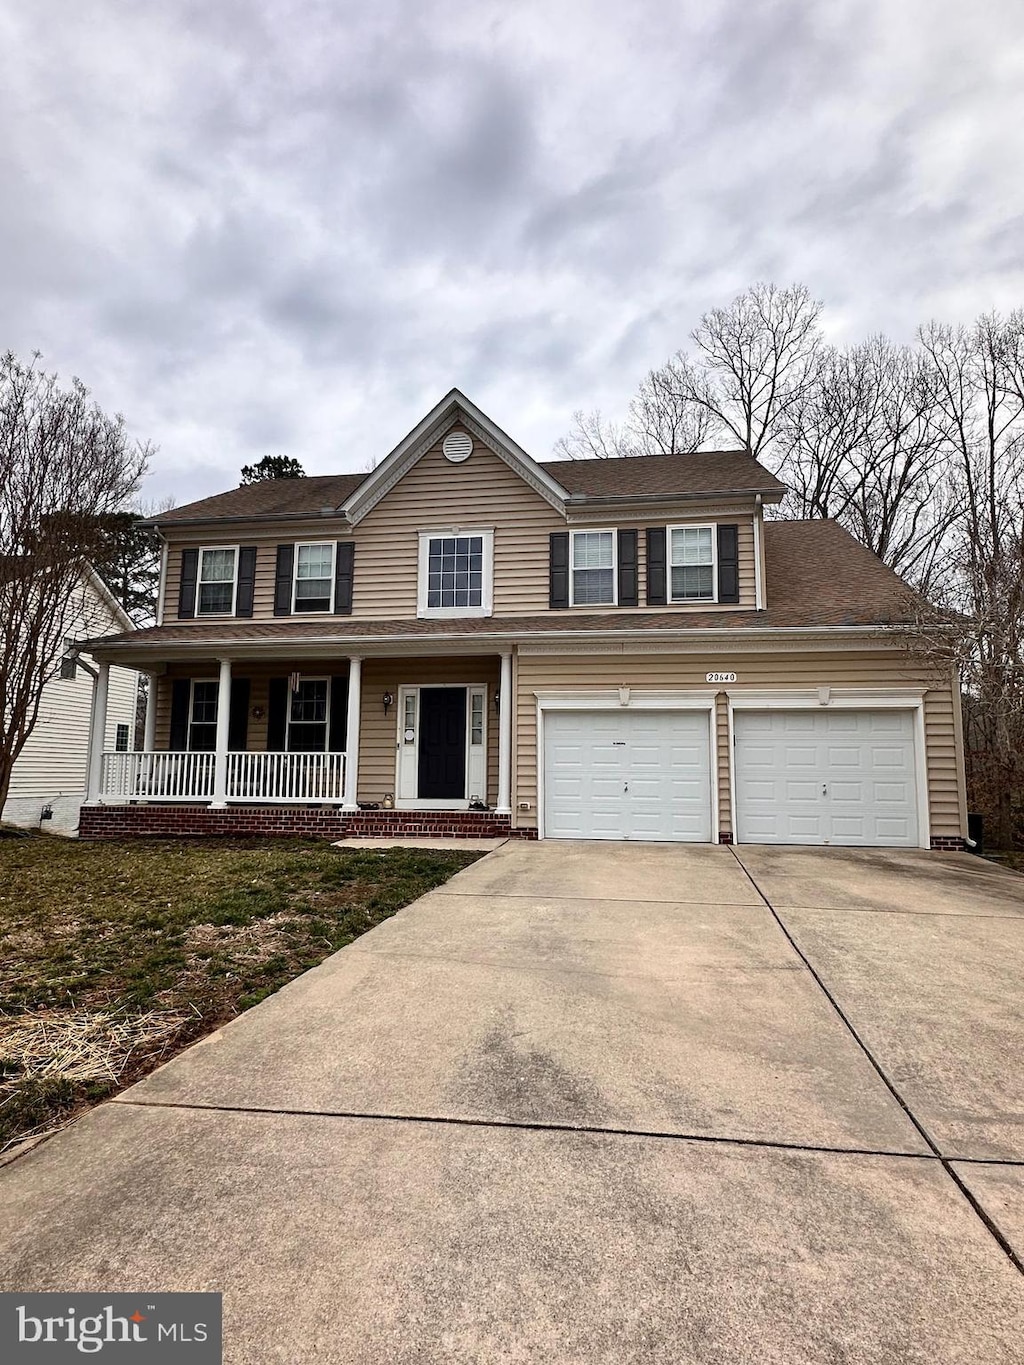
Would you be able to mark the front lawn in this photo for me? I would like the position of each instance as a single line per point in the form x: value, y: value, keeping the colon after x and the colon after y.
x: 114, y: 956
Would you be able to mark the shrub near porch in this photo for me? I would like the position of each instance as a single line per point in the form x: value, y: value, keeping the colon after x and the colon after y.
x: 115, y: 956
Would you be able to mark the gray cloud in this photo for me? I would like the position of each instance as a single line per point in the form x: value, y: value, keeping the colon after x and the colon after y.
x: 291, y: 225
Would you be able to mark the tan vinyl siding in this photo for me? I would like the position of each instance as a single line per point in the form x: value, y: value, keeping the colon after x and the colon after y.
x: 266, y: 564
x: 870, y: 669
x: 722, y: 744
x: 437, y: 495
x: 482, y: 492
x: 378, y: 737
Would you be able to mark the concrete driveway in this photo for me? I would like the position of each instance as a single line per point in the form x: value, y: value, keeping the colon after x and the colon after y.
x: 591, y: 1103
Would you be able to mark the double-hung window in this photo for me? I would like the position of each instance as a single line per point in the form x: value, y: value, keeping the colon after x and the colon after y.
x: 593, y: 568
x: 455, y: 572
x: 307, y: 716
x: 202, y: 715
x: 314, y: 577
x: 692, y: 563
x: 217, y: 570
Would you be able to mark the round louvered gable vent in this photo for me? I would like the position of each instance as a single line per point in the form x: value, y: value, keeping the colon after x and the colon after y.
x: 457, y: 446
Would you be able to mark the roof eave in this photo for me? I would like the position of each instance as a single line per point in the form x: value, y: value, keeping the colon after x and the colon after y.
x: 480, y: 643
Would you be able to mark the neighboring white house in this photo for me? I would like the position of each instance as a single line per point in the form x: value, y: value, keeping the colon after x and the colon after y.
x: 51, y: 774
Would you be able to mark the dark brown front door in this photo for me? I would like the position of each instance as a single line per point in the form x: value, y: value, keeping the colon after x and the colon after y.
x: 442, y: 765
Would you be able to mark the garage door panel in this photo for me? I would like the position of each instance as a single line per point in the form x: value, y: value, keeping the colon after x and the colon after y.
x: 854, y: 785
x: 640, y: 775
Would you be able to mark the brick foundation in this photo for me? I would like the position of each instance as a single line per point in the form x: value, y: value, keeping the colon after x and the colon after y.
x: 947, y: 843
x: 724, y: 837
x: 296, y: 822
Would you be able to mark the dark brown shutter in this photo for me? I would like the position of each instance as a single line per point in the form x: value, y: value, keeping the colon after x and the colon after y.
x: 339, y: 715
x: 628, y: 588
x: 277, y: 714
x: 187, y: 586
x: 344, y: 559
x: 657, y: 579
x: 181, y: 697
x: 238, y: 714
x: 728, y: 563
x: 283, y: 580
x: 246, y: 580
x: 558, y: 593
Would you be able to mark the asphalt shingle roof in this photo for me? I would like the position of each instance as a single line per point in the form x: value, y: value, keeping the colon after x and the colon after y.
x: 707, y: 471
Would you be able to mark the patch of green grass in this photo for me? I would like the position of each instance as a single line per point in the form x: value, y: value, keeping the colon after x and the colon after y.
x: 209, y: 927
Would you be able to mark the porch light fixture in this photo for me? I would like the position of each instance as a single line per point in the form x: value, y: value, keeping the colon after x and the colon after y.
x: 258, y: 713
x: 388, y: 700
x: 497, y: 701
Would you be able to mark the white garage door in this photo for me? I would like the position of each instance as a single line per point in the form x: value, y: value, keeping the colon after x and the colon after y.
x: 826, y: 777
x: 627, y: 775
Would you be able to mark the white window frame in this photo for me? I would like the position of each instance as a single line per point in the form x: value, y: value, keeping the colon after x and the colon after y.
x: 304, y: 678
x: 307, y: 545
x: 486, y: 607
x: 191, y: 713
x: 711, y: 526
x: 216, y: 549
x: 594, y: 531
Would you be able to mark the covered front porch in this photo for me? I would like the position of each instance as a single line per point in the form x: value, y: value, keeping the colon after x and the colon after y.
x: 376, y: 737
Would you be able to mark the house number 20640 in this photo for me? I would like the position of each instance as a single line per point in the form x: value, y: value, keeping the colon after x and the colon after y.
x: 720, y: 677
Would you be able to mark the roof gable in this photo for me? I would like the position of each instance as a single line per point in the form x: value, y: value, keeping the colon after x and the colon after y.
x: 454, y: 409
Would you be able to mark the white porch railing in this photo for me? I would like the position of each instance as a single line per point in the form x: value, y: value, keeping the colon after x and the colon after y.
x: 286, y: 777
x: 178, y: 775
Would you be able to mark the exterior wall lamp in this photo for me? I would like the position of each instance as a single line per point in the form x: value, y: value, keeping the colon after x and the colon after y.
x: 388, y: 700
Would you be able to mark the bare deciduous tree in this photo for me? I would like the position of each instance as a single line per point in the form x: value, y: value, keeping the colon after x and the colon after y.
x: 862, y: 445
x: 662, y: 421
x: 65, y: 466
x: 979, y: 397
x: 755, y: 360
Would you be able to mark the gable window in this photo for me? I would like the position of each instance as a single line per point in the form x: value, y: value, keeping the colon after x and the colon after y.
x: 456, y: 573
x: 593, y: 568
x: 308, y: 716
x: 216, y: 582
x: 202, y: 716
x: 692, y: 563
x: 314, y: 577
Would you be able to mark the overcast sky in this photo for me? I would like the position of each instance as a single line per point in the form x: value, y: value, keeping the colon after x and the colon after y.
x: 258, y: 227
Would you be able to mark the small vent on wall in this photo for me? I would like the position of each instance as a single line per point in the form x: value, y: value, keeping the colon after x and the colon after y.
x: 457, y: 446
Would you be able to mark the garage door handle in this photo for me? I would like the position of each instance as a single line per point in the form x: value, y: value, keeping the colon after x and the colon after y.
x: 625, y: 786
x: 824, y: 789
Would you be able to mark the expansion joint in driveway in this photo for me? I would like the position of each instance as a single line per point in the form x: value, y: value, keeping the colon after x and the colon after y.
x: 879, y: 1070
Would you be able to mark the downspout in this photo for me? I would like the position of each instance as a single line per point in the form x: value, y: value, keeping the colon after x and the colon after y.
x: 758, y: 584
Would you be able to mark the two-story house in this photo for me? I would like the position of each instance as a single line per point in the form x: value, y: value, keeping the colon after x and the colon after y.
x: 466, y: 640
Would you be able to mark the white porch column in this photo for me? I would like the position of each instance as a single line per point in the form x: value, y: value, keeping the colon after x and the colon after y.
x: 504, y: 806
x: 355, y: 678
x: 149, y: 735
x: 220, y: 769
x: 97, y: 738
